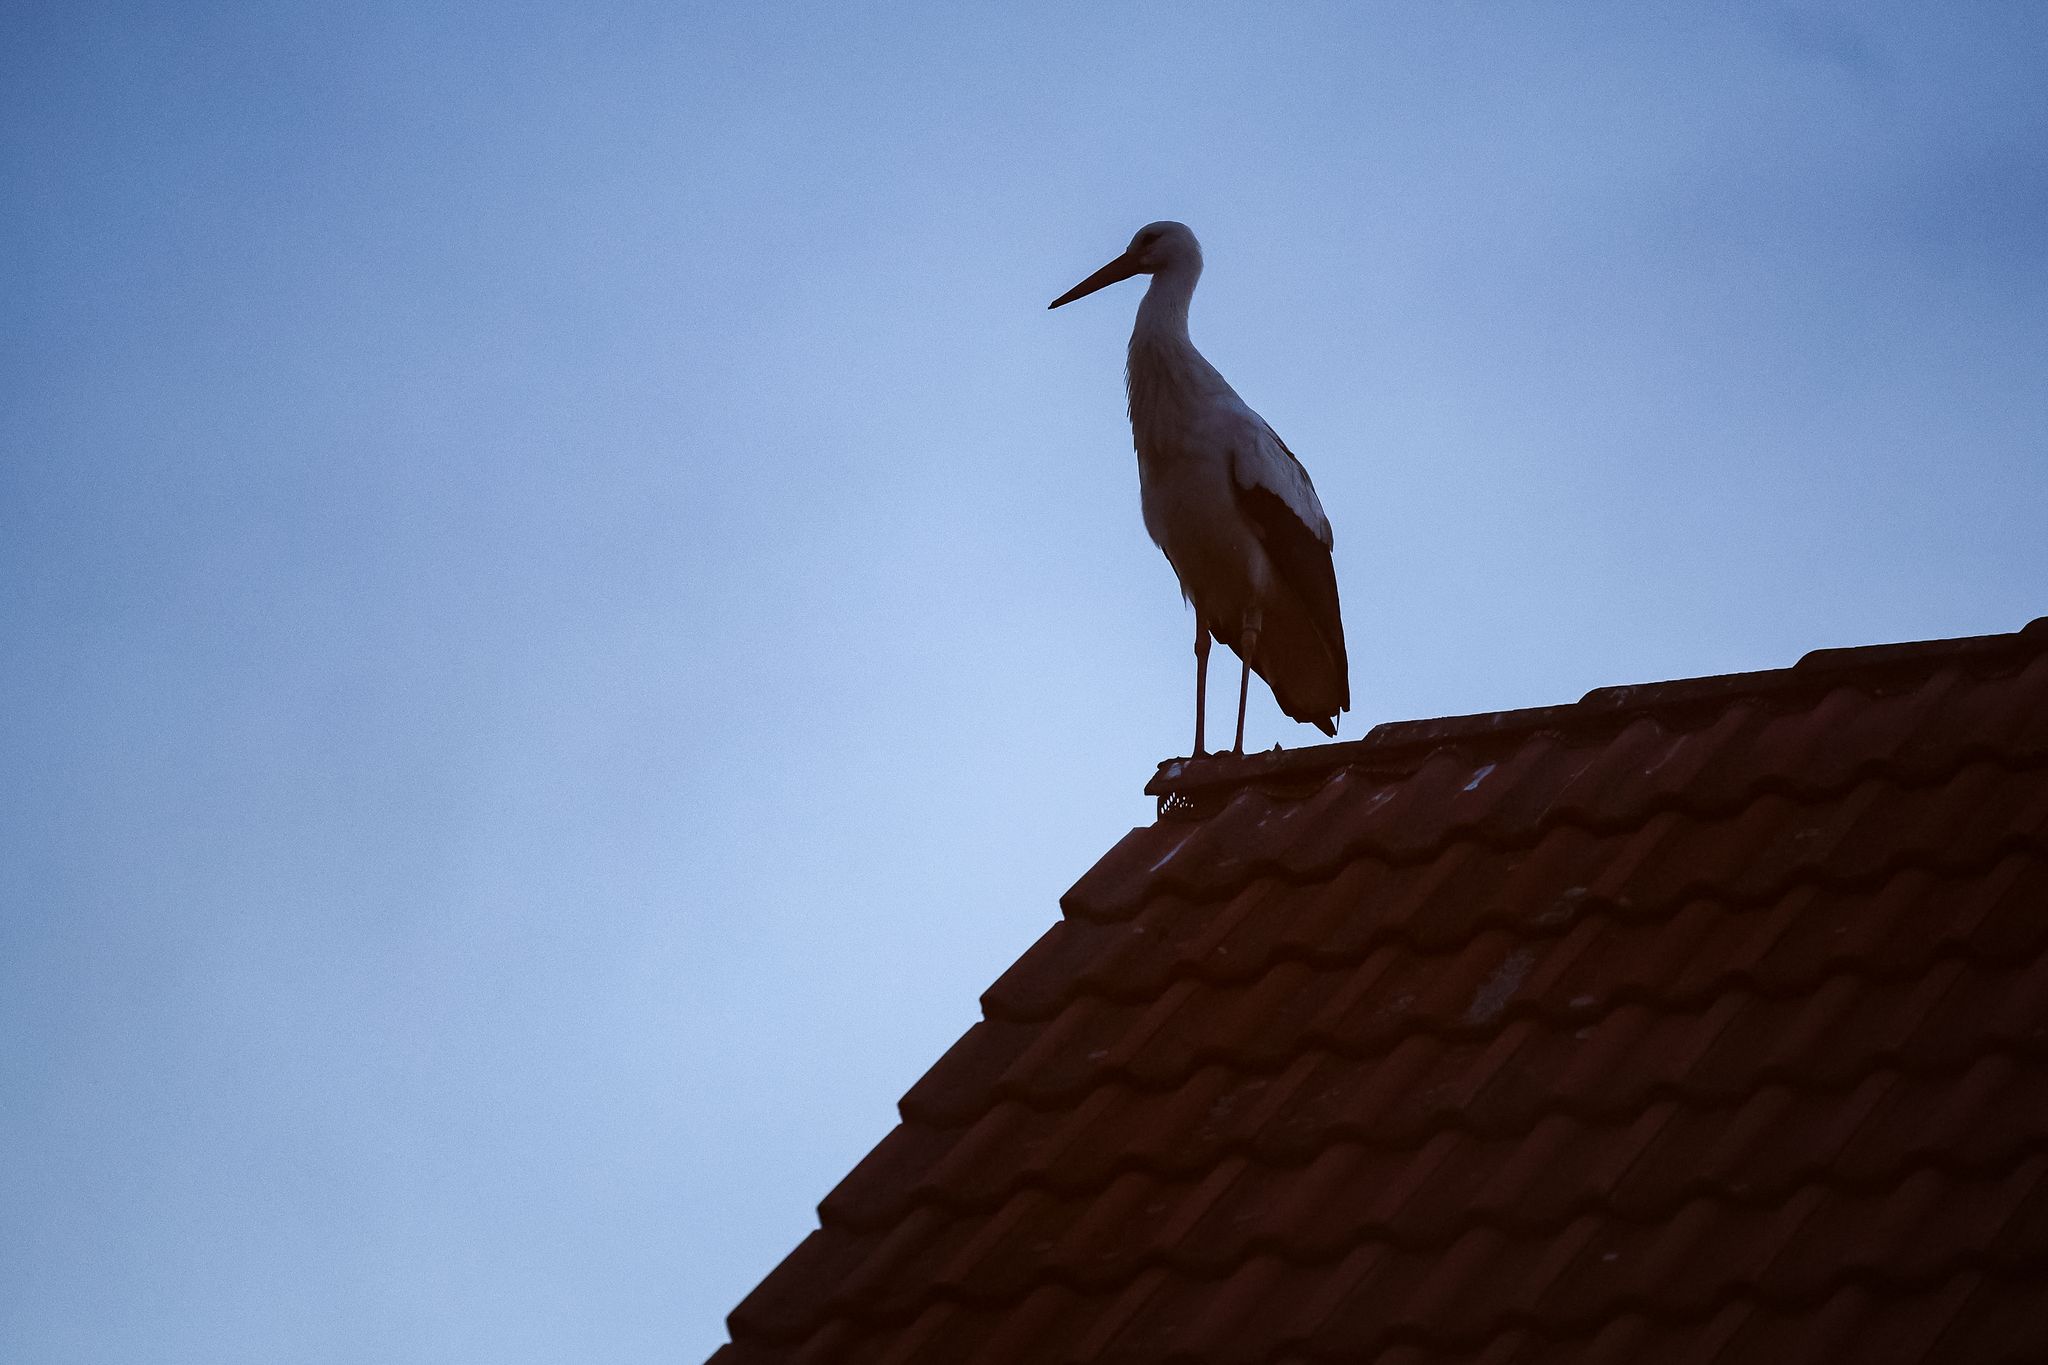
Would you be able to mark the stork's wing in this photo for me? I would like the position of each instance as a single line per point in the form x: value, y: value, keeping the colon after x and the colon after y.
x: 1275, y: 494
x: 1262, y: 463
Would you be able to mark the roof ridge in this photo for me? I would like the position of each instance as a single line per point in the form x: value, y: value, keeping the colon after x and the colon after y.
x: 1396, y: 747
x: 1900, y: 776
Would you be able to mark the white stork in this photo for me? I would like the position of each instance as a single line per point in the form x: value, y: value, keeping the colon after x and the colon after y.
x: 1226, y: 500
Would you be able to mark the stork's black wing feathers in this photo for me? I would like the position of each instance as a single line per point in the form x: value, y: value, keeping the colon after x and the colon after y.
x: 1303, y: 561
x: 1300, y: 651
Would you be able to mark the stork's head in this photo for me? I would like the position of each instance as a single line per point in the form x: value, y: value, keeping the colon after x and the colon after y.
x: 1159, y: 249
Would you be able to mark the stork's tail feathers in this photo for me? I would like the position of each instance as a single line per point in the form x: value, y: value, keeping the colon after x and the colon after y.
x: 1307, y: 671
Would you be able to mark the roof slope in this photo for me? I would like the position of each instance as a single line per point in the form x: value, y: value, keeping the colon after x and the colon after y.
x: 1701, y: 1021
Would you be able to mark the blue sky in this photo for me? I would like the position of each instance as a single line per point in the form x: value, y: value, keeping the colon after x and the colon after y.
x: 567, y: 607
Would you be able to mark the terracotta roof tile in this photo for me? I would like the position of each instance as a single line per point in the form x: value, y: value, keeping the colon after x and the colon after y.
x: 1702, y: 1021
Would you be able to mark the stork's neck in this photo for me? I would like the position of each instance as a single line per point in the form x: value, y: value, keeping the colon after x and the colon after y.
x: 1165, y: 374
x: 1163, y: 316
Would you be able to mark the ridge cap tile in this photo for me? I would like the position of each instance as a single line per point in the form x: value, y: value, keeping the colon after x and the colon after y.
x: 1389, y: 743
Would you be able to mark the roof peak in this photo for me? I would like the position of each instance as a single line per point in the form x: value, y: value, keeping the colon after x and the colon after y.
x: 1399, y: 746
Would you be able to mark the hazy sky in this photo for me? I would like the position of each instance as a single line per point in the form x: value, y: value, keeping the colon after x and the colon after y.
x: 565, y: 608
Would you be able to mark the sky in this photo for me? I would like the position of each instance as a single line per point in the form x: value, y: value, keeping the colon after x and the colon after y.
x: 565, y: 607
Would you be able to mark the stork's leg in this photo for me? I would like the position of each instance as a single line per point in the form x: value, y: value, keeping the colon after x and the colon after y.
x: 1244, y: 683
x: 1201, y: 678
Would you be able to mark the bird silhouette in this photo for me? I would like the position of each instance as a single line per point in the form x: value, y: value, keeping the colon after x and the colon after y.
x: 1226, y: 501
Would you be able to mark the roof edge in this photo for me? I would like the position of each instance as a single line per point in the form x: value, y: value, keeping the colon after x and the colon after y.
x: 1397, y: 747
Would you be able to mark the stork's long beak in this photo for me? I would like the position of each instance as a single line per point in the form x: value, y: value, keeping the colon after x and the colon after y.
x: 1122, y: 268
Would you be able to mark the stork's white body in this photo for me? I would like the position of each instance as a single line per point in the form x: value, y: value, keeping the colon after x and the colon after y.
x: 1193, y: 433
x: 1226, y: 501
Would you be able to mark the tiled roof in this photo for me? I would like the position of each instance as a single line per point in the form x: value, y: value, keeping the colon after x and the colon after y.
x: 1703, y: 1021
